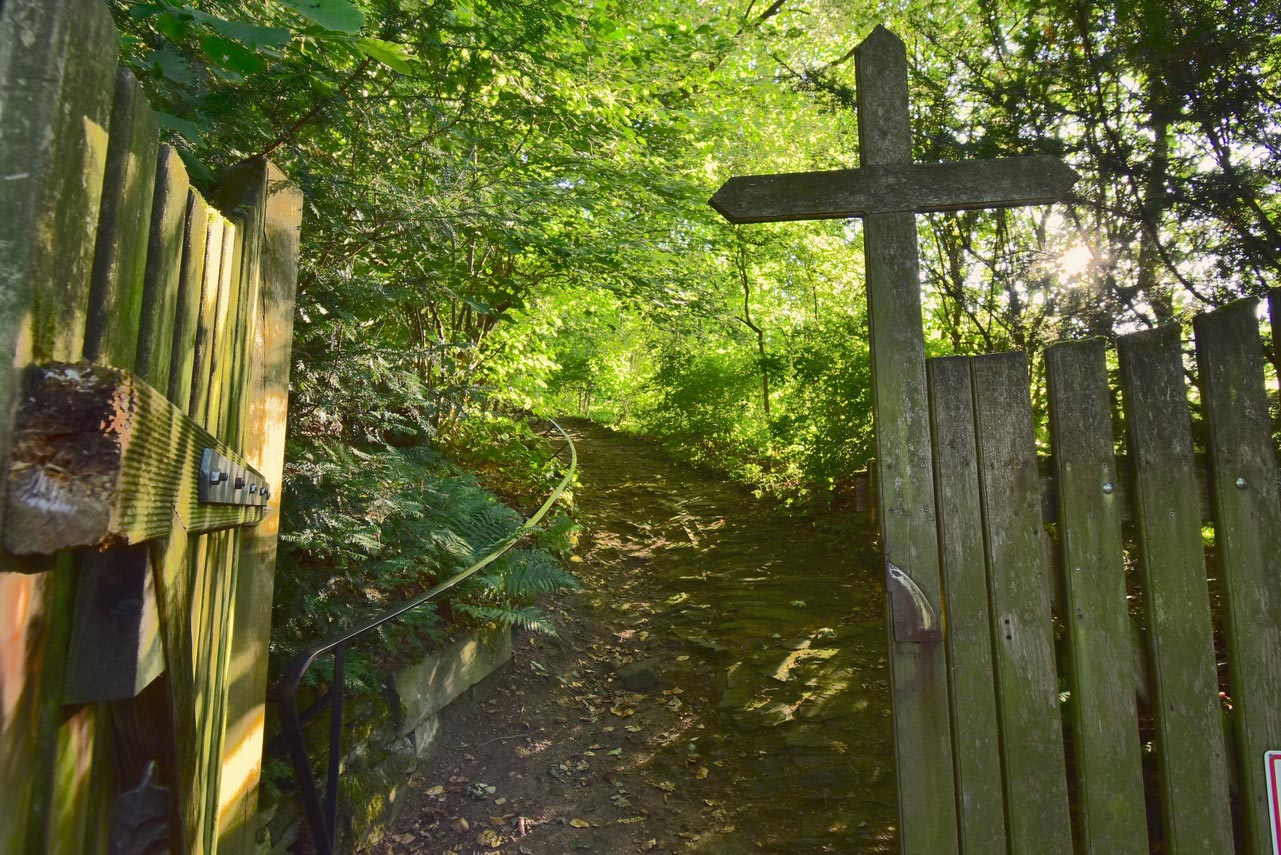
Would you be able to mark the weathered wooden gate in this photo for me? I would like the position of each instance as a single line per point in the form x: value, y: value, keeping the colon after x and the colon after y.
x: 145, y: 337
x: 1032, y: 667
x: 1067, y: 597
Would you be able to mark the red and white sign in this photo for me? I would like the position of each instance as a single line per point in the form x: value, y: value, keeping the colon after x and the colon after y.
x: 1272, y: 770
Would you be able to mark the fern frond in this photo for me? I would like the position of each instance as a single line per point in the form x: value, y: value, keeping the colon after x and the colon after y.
x: 526, y: 573
x: 529, y: 618
x: 487, y: 525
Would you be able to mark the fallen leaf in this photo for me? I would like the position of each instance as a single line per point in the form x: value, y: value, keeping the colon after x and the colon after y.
x: 648, y: 845
x: 490, y: 838
x: 436, y: 792
x: 460, y: 826
x: 615, y: 753
x: 701, y: 773
x: 580, y: 823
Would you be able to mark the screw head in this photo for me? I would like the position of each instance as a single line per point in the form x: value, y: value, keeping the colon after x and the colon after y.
x: 253, y: 488
x: 217, y: 476
x: 1109, y: 488
x: 1241, y: 482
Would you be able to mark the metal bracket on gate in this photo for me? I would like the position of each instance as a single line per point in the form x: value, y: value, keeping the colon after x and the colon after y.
x: 225, y: 482
x: 914, y: 617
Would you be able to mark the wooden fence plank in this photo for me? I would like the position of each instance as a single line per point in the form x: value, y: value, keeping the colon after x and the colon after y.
x: 219, y: 252
x: 163, y: 275
x: 175, y: 587
x: 54, y: 117
x: 120, y: 259
x: 215, y: 559
x: 1184, y: 685
x: 228, y: 402
x: 1019, y: 583
x: 222, y: 365
x: 242, y: 194
x: 56, y: 67
x: 975, y: 733
x: 187, y: 307
x: 209, y: 553
x: 1247, y: 538
x: 268, y: 395
x: 1105, y: 725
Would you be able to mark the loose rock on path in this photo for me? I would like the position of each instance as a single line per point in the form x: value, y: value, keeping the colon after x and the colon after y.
x: 718, y: 686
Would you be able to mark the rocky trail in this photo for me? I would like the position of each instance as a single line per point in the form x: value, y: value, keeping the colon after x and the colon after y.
x: 717, y: 686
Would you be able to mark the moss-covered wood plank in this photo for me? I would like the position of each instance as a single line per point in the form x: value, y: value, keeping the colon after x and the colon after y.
x: 1020, y: 594
x: 975, y: 731
x: 57, y: 62
x: 120, y: 257
x: 163, y: 277
x: 187, y: 305
x: 266, y: 387
x: 1247, y: 539
x: 1104, y: 718
x: 1184, y: 685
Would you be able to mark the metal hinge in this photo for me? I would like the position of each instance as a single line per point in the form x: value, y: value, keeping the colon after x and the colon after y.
x: 914, y: 618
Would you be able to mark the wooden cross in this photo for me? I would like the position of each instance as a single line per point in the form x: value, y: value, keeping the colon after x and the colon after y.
x: 887, y: 192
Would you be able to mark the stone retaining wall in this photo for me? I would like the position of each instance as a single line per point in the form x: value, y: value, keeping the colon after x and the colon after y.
x: 387, y: 739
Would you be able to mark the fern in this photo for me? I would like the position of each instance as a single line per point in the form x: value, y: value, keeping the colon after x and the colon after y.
x: 526, y: 573
x: 529, y: 618
x: 487, y: 525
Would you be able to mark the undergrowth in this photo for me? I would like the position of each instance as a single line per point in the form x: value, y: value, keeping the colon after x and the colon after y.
x: 367, y: 527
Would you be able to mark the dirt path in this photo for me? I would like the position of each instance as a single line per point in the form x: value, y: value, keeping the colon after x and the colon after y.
x: 718, y: 686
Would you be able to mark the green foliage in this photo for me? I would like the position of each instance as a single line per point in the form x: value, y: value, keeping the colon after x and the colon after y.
x: 367, y: 528
x: 505, y: 214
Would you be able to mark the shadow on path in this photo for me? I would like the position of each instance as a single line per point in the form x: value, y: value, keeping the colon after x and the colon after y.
x: 718, y: 686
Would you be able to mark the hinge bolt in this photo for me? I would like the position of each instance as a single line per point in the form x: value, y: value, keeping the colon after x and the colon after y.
x: 1241, y: 482
x: 1108, y: 487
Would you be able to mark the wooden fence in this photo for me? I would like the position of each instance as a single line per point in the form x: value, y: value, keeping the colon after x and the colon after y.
x: 1098, y: 675
x: 145, y: 334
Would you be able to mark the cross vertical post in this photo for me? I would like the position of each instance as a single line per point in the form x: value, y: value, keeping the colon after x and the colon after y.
x: 887, y: 191
x: 909, y: 538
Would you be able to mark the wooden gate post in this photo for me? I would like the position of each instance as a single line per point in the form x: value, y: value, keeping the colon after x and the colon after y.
x: 909, y: 537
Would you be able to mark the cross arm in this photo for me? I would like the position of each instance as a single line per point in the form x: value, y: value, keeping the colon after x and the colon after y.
x: 920, y: 187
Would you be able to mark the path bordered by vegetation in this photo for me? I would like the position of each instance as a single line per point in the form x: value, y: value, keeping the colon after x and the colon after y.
x: 718, y: 686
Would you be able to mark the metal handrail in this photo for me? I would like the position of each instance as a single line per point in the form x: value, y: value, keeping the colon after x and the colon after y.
x: 321, y: 819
